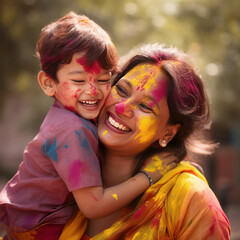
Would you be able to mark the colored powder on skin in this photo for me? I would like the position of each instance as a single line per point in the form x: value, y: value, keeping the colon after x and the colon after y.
x: 115, y: 196
x: 74, y: 173
x: 93, y: 90
x: 94, y: 69
x: 161, y: 91
x: 104, y: 133
x: 76, y: 93
x: 156, y: 164
x: 120, y: 107
x: 50, y: 150
x: 93, y: 196
x: 147, y: 130
x: 108, y: 86
x: 142, y: 78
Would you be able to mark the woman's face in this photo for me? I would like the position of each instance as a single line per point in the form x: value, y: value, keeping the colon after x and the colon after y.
x: 136, y: 112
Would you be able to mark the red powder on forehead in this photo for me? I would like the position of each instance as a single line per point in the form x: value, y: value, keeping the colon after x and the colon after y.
x: 93, y: 69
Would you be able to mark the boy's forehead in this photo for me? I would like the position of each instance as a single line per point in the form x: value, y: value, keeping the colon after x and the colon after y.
x: 81, y: 59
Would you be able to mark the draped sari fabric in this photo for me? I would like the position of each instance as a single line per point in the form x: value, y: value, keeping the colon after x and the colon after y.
x: 179, y: 206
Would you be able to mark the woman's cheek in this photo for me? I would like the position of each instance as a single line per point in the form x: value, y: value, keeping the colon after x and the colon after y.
x: 147, y: 129
x: 112, y: 97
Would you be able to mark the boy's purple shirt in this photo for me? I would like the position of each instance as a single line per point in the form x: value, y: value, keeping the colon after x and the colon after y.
x: 60, y: 159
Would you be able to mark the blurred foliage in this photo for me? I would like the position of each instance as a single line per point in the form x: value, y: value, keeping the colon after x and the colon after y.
x: 208, y: 30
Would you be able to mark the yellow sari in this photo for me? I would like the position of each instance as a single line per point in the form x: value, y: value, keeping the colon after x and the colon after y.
x: 179, y: 206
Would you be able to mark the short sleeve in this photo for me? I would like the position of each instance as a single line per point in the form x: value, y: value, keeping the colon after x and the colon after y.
x: 195, y: 213
x: 72, y: 150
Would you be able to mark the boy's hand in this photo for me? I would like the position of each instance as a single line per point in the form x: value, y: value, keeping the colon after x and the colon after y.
x: 157, y: 165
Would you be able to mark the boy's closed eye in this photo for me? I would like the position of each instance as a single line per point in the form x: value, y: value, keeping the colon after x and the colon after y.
x: 78, y: 81
x: 104, y: 81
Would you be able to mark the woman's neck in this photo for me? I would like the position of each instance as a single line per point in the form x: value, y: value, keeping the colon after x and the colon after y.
x: 116, y: 168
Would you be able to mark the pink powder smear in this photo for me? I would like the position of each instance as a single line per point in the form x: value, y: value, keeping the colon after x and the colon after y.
x: 161, y: 91
x: 93, y: 196
x: 76, y: 93
x: 120, y: 107
x: 74, y: 173
x: 94, y: 69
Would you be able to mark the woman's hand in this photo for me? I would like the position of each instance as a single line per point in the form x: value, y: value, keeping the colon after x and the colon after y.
x: 157, y: 165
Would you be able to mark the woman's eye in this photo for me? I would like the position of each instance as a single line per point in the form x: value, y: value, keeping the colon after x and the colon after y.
x: 146, y: 107
x: 121, y: 91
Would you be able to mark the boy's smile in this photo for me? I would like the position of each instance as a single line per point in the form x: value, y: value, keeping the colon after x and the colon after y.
x: 82, y: 89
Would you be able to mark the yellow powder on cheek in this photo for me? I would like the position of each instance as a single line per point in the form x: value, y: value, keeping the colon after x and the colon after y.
x: 146, y: 128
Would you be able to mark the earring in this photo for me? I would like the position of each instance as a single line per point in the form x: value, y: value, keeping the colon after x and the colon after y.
x: 163, y: 143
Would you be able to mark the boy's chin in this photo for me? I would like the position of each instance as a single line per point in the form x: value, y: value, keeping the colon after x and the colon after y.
x: 89, y: 116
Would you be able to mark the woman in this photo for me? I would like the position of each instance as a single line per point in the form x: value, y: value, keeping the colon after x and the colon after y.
x: 157, y: 105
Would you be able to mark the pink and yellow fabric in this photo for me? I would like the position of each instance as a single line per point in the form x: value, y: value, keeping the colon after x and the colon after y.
x: 180, y: 206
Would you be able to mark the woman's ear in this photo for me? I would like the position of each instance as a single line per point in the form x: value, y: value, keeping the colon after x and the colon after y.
x: 170, y: 133
x: 46, y: 83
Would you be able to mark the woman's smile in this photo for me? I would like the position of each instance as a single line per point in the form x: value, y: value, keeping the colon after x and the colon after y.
x: 115, y: 124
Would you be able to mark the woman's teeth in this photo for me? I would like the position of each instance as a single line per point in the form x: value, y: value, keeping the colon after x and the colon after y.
x: 117, y: 125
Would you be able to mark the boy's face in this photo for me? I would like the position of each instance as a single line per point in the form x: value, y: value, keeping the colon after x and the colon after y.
x: 82, y: 89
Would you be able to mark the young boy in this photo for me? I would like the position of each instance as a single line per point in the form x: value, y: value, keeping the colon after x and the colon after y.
x: 60, y: 165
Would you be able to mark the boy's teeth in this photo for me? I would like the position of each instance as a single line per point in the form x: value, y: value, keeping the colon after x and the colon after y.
x: 117, y: 125
x: 89, y: 102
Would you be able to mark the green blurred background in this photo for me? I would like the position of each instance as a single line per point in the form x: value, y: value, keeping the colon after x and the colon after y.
x: 208, y: 30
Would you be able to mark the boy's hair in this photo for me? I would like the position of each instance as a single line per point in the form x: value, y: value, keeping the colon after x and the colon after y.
x: 73, y: 33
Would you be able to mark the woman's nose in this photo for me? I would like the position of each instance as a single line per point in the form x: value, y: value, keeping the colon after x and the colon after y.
x: 124, y: 108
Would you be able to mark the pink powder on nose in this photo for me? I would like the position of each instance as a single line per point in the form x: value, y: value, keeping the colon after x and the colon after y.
x: 120, y: 107
x: 93, y: 90
x: 94, y: 69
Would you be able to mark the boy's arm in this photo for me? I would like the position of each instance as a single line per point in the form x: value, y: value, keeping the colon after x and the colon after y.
x: 96, y: 202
